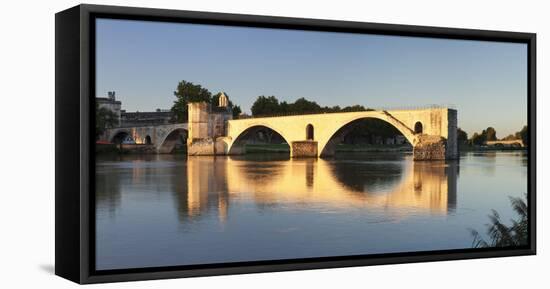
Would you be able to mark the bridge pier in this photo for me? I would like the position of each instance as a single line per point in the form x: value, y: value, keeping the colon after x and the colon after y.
x: 301, y: 149
x: 430, y: 147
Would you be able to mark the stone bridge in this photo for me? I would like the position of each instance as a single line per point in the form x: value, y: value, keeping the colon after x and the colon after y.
x: 162, y: 137
x: 431, y: 132
x: 512, y: 142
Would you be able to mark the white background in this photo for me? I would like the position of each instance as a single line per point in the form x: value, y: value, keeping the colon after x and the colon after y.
x: 27, y: 144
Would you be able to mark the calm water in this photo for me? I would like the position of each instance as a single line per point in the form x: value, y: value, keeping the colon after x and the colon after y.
x: 163, y: 210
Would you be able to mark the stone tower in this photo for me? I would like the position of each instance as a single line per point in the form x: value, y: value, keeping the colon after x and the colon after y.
x: 223, y: 101
x: 198, y: 116
x: 207, y: 127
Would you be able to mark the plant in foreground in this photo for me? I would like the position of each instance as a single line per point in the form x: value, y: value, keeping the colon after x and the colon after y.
x: 502, y: 235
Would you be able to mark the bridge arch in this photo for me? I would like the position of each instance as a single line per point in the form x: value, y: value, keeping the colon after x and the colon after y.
x: 118, y: 136
x: 169, y: 140
x: 237, y: 145
x: 327, y: 146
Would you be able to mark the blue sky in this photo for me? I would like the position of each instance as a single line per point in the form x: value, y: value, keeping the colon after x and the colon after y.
x: 143, y: 62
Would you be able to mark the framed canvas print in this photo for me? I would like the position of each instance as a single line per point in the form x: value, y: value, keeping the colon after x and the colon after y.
x: 193, y: 144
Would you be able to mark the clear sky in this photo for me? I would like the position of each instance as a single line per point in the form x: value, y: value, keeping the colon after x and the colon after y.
x: 144, y: 61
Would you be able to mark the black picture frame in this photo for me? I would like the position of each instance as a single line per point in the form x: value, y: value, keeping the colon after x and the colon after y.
x: 74, y: 124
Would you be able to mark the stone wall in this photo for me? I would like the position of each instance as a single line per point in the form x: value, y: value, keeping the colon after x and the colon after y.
x: 138, y: 148
x: 201, y: 147
x: 198, y: 121
x: 300, y: 149
x: 205, y: 128
x: 430, y: 147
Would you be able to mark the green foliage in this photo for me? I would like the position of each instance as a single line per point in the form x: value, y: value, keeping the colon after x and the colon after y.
x: 510, y: 137
x: 355, y: 108
x: 524, y: 135
x: 187, y: 92
x: 502, y: 235
x: 477, y: 139
x: 266, y: 105
x: 270, y: 105
x: 104, y: 119
x: 236, y: 111
x: 490, y: 134
x: 461, y: 136
x: 302, y: 105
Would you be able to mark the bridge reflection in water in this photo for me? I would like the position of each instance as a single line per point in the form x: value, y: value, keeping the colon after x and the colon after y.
x: 164, y: 210
x: 216, y: 182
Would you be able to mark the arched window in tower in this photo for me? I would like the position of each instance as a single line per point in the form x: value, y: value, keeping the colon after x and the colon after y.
x: 418, y: 127
x: 309, y: 132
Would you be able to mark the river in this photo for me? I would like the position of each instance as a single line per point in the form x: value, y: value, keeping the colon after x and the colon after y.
x: 167, y: 210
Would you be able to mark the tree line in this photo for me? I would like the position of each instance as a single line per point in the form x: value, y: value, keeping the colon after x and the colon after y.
x: 270, y: 105
x: 490, y: 134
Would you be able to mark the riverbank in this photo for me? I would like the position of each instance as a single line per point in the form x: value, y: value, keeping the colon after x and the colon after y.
x: 466, y: 148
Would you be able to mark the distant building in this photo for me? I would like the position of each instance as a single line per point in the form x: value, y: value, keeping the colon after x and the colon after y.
x: 129, y: 119
x: 110, y: 103
x: 158, y: 117
x: 505, y: 143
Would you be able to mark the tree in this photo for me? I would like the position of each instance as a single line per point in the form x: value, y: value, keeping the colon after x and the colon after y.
x: 187, y: 92
x: 104, y: 119
x: 490, y: 134
x: 461, y: 136
x: 510, y: 137
x: 302, y: 105
x: 265, y: 105
x: 477, y: 139
x: 524, y: 135
x: 354, y: 108
x: 271, y: 105
x: 236, y: 111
